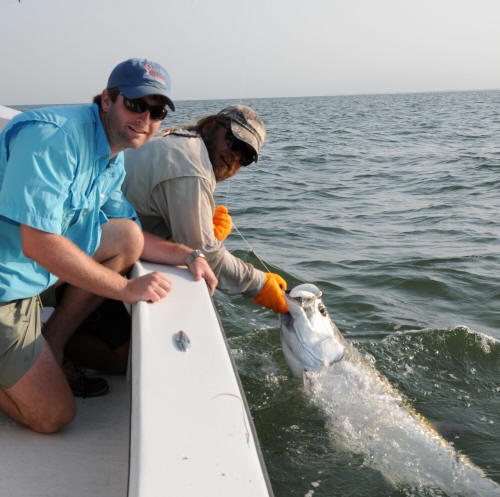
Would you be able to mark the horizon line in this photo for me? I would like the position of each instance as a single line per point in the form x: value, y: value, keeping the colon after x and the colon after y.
x: 362, y: 94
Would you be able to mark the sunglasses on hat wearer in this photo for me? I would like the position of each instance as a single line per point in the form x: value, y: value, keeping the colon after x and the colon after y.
x: 247, y: 155
x: 139, y: 105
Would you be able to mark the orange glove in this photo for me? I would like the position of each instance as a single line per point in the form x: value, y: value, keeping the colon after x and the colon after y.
x: 222, y: 223
x: 271, y: 295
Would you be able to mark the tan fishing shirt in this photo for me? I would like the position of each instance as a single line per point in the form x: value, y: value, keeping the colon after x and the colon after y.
x: 170, y: 182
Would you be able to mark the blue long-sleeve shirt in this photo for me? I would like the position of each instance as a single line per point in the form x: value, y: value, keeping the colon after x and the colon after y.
x: 56, y: 176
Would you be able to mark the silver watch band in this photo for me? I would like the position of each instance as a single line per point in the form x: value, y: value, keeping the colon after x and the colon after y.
x: 193, y: 255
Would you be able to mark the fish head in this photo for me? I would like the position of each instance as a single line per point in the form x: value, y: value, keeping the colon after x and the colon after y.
x: 309, y: 337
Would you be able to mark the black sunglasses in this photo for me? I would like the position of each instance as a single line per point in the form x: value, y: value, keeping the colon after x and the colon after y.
x: 247, y: 155
x: 139, y: 105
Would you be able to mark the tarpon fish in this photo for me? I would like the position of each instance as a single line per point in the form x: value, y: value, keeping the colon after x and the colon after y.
x: 366, y: 415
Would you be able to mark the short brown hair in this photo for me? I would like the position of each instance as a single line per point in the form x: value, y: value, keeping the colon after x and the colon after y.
x: 113, y: 95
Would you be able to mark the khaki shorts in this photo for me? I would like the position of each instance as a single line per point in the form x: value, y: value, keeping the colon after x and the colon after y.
x: 21, y: 339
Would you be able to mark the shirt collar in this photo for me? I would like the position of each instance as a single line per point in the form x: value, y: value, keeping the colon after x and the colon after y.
x: 103, y: 150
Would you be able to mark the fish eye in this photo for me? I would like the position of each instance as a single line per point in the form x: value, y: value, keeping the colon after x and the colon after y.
x: 322, y: 310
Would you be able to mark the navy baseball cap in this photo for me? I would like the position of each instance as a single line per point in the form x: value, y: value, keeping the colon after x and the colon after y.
x: 138, y: 78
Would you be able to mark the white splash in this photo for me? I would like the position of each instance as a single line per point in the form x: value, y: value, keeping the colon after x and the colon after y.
x: 367, y: 416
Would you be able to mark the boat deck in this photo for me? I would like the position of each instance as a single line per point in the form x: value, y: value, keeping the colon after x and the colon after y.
x: 89, y: 457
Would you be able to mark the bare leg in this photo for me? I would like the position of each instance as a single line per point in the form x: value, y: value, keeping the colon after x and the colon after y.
x: 41, y: 399
x: 121, y: 245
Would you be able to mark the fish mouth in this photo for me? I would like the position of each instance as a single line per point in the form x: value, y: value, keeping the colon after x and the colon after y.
x: 304, y: 294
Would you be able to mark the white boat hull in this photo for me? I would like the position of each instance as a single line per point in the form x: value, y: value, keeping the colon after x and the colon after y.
x: 191, y: 429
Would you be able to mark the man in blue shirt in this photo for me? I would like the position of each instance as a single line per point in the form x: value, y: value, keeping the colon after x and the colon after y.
x: 63, y: 218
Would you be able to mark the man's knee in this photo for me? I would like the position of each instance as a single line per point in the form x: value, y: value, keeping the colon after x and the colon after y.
x: 121, y: 238
x: 53, y: 421
x: 133, y: 239
x: 41, y: 399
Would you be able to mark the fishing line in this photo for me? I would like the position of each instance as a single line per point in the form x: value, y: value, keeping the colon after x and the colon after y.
x: 241, y: 234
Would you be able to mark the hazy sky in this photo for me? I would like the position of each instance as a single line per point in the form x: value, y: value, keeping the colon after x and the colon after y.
x: 62, y: 51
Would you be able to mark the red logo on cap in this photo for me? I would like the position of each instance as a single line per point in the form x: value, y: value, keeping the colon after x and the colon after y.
x: 154, y: 74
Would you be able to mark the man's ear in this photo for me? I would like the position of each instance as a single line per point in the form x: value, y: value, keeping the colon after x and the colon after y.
x: 105, y: 101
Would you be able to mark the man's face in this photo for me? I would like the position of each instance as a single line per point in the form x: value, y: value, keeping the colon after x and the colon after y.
x: 126, y: 129
x: 225, y: 161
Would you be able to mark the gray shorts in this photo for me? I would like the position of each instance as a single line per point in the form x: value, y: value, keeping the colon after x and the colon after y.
x: 21, y: 339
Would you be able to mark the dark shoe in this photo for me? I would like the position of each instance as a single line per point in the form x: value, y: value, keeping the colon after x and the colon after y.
x: 81, y: 384
x: 89, y: 386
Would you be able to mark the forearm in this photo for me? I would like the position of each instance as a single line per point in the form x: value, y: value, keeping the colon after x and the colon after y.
x: 64, y: 259
x: 235, y: 275
x: 156, y: 249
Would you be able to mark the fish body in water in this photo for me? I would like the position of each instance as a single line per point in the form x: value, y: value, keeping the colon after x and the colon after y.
x: 366, y: 415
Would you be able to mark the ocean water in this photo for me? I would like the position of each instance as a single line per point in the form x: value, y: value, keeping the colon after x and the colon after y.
x: 390, y: 205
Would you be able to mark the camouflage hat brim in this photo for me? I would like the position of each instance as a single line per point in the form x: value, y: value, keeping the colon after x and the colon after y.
x: 246, y: 125
x: 247, y: 137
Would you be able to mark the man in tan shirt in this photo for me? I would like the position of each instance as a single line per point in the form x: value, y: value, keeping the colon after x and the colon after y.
x: 171, y: 181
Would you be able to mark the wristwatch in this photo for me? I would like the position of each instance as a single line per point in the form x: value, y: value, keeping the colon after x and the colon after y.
x: 193, y: 255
